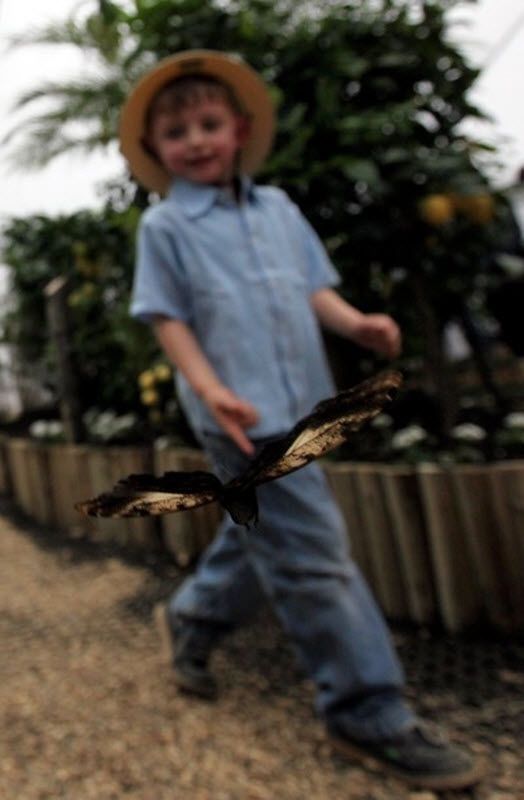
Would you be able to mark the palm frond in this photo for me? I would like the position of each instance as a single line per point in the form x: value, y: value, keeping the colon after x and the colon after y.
x: 91, y: 34
x: 101, y: 89
x: 52, y: 110
x: 86, y: 101
x: 46, y: 142
x: 68, y: 32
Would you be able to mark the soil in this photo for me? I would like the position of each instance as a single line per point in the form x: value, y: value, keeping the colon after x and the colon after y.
x: 89, y: 709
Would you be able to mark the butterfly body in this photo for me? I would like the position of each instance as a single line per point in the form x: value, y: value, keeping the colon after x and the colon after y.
x: 240, y: 503
x: 330, y: 424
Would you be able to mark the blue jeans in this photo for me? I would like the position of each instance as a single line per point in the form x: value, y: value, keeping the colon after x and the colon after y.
x: 298, y: 557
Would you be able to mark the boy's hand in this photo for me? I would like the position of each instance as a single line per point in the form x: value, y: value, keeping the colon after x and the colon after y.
x: 232, y: 414
x: 380, y: 333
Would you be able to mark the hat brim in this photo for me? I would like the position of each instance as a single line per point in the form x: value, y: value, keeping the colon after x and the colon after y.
x: 248, y: 87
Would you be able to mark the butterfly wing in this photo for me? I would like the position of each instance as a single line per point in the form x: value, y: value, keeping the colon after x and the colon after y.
x: 144, y: 495
x: 328, y: 426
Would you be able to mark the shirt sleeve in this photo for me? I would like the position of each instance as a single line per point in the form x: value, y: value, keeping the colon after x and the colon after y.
x: 160, y: 287
x: 320, y: 271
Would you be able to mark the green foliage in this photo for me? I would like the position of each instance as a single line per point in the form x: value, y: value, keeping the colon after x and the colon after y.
x: 371, y: 97
x: 95, y: 251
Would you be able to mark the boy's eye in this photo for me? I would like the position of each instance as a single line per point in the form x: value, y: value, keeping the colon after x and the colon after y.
x: 211, y: 124
x: 174, y: 132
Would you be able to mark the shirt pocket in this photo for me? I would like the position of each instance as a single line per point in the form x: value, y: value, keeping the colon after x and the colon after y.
x: 211, y: 311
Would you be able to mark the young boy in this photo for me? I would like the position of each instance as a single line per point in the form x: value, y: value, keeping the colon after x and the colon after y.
x: 235, y: 283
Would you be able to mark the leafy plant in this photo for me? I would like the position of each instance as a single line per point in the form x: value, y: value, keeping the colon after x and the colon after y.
x: 371, y: 100
x: 95, y: 251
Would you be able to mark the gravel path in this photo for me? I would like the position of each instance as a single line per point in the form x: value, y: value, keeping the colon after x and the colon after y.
x: 88, y: 708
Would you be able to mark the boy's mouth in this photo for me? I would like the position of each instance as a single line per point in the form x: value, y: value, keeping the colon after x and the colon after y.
x: 201, y: 161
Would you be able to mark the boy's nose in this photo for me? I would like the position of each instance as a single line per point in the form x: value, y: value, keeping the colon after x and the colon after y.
x: 195, y: 136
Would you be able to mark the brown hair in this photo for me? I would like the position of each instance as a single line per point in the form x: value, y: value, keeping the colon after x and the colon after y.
x: 188, y: 90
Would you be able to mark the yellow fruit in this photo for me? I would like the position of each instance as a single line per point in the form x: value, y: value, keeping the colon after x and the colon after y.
x: 457, y: 200
x: 480, y: 208
x: 149, y: 397
x: 162, y: 372
x: 437, y: 209
x: 146, y: 379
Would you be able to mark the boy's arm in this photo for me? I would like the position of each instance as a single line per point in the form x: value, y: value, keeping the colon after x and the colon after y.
x: 378, y: 332
x: 183, y: 350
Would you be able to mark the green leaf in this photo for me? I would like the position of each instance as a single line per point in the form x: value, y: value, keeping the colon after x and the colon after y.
x: 351, y: 65
x: 391, y: 60
x: 361, y: 170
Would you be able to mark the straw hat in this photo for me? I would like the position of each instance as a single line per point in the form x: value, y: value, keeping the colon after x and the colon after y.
x: 248, y: 87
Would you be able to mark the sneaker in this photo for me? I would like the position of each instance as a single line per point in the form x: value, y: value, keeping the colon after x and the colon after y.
x: 188, y: 646
x: 421, y: 757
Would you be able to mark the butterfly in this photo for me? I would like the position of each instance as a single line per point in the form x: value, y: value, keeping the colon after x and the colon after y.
x: 329, y: 425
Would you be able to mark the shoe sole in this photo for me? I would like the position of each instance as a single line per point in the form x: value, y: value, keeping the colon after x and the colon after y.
x: 188, y: 687
x: 460, y: 780
x: 166, y: 648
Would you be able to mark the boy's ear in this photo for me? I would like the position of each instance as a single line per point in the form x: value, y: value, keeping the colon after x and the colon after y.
x: 243, y: 130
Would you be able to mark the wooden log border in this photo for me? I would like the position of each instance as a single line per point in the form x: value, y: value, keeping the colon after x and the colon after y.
x: 438, y: 545
x: 5, y: 475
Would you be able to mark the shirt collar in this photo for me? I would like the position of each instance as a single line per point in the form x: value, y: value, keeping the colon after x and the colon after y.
x: 196, y: 199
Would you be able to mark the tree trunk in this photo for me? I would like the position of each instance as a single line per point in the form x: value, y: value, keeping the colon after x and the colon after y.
x: 437, y: 370
x: 481, y: 359
x: 56, y: 293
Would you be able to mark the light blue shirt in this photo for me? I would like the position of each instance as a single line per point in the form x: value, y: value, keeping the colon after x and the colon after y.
x: 240, y: 275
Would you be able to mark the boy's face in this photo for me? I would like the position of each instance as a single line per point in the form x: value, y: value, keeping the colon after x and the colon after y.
x: 199, y: 142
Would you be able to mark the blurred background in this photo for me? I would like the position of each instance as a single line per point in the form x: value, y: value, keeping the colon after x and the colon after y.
x: 400, y: 136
